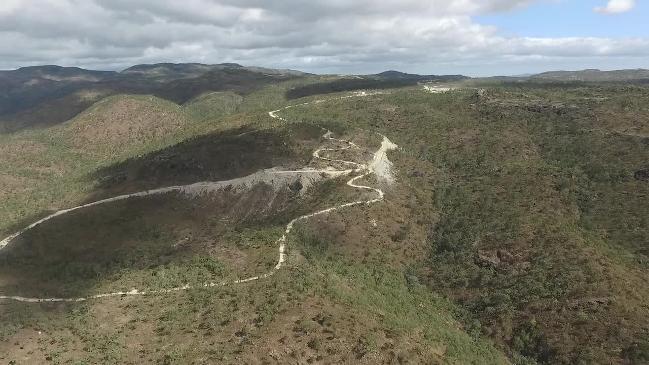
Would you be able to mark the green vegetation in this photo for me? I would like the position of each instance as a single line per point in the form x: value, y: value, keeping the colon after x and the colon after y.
x: 404, y: 305
x: 346, y: 85
x: 213, y: 105
x: 536, y: 209
x: 48, y: 169
x: 43, y: 96
x: 517, y: 231
x: 384, y: 80
x: 162, y: 242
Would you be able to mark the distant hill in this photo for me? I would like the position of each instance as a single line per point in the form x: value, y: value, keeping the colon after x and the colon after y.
x: 237, y: 79
x: 276, y: 71
x: 175, y: 71
x: 168, y: 71
x: 55, y: 73
x: 397, y: 75
x: 384, y: 80
x: 27, y: 88
x: 593, y: 75
x: 48, y: 95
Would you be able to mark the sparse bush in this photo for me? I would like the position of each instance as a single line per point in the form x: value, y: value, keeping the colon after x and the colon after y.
x: 530, y: 341
x: 637, y: 353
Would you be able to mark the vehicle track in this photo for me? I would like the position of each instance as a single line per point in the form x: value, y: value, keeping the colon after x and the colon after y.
x: 379, y: 165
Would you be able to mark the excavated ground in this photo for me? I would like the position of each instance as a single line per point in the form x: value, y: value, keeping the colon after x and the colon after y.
x: 182, y: 236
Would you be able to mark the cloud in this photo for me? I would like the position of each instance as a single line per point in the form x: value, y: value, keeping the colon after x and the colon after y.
x: 616, y: 7
x: 336, y: 36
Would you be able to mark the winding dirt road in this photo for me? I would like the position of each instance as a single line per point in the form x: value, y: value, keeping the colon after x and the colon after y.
x: 379, y: 165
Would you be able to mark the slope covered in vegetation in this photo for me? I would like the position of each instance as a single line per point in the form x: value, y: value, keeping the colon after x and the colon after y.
x: 534, y: 200
x: 347, y: 294
x: 518, y: 216
x: 44, y: 96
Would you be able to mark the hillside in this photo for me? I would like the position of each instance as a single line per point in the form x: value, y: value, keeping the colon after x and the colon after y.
x: 534, y: 203
x: 174, y: 71
x: 35, y: 74
x: 119, y: 121
x: 492, y: 225
x: 169, y: 71
x: 383, y: 80
x: 307, y: 311
x: 594, y: 75
x: 43, y: 96
x: 396, y: 75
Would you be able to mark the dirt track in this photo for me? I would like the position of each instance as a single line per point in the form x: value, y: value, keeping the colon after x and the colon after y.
x: 379, y: 165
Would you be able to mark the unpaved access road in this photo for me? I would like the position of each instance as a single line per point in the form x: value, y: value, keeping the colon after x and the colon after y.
x: 380, y: 166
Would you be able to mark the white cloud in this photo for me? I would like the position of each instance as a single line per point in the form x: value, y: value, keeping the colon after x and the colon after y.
x: 316, y: 35
x: 616, y: 7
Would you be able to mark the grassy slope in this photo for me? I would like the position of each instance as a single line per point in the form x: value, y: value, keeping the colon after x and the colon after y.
x: 325, y: 307
x: 51, y: 166
x: 46, y: 169
x: 32, y: 99
x: 536, y: 215
x: 213, y: 105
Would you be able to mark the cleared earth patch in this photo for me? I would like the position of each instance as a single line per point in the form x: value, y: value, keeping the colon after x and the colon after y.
x: 152, y: 242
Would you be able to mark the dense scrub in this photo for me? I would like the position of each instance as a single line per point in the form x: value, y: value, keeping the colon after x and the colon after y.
x: 536, y: 208
x: 347, y: 85
x: 47, y: 96
x: 520, y: 214
x: 322, y: 306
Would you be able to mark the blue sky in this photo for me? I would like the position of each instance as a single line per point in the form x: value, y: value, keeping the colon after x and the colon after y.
x: 570, y: 18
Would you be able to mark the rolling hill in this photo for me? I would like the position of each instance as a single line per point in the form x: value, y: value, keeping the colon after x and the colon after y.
x: 229, y: 214
x: 48, y: 95
x: 594, y: 75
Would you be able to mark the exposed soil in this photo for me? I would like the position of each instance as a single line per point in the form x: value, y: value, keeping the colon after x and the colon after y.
x: 213, y: 157
x: 277, y: 181
x: 152, y: 231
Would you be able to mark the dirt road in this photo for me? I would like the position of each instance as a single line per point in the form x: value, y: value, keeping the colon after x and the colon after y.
x: 380, y: 165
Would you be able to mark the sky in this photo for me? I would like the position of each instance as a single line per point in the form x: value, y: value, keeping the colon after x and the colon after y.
x: 471, y: 37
